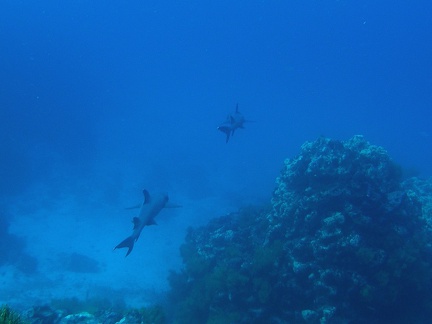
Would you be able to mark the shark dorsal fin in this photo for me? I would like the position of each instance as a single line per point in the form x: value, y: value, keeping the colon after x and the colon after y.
x: 136, y: 222
x: 146, y: 196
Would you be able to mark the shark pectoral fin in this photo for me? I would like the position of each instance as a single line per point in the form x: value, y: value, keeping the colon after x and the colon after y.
x: 134, y: 207
x: 129, y: 243
x: 136, y: 222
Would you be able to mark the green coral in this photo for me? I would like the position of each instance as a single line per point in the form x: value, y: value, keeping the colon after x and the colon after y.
x: 8, y: 316
x: 223, y: 318
x: 366, y: 255
x: 199, y: 304
x: 147, y: 315
x: 218, y: 278
x: 224, y: 279
x: 343, y: 232
x: 262, y: 289
x: 382, y: 278
x: 266, y: 257
x: 197, y: 264
x: 366, y: 293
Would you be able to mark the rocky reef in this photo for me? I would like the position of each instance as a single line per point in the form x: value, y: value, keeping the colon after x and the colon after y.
x: 74, y: 311
x: 13, y: 249
x: 8, y: 316
x: 344, y: 240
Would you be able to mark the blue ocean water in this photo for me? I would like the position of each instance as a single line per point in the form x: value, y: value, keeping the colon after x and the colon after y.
x: 101, y: 99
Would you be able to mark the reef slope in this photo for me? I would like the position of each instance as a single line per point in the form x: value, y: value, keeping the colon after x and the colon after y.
x: 345, y: 240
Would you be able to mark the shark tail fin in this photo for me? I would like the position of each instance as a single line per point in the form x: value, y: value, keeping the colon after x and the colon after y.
x: 129, y: 243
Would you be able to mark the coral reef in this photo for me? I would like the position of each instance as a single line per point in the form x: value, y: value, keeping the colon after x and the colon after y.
x: 43, y: 314
x: 74, y: 311
x: 422, y: 190
x: 150, y: 315
x: 90, y: 305
x: 8, y: 316
x: 345, y: 239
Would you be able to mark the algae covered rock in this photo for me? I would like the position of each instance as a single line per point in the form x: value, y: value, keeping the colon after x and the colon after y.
x: 361, y: 234
x: 421, y: 190
x: 328, y: 172
x: 84, y: 318
x: 9, y: 316
x: 344, y: 239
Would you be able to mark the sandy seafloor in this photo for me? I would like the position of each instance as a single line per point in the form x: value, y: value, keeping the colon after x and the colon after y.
x: 53, y: 229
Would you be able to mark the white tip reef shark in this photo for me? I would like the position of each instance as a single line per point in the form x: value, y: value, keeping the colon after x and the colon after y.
x: 150, y: 208
x: 232, y: 122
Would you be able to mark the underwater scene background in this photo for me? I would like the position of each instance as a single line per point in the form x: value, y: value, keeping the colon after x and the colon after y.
x: 317, y: 210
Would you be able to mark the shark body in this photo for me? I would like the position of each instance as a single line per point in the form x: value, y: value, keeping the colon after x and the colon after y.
x: 233, y: 122
x: 150, y: 208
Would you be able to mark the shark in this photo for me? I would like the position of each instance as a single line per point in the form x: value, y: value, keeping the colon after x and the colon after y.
x: 232, y: 122
x: 149, y: 209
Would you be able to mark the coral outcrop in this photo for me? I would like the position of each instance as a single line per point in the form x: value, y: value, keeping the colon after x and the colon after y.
x: 8, y: 316
x: 12, y: 249
x: 345, y: 239
x: 74, y: 311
